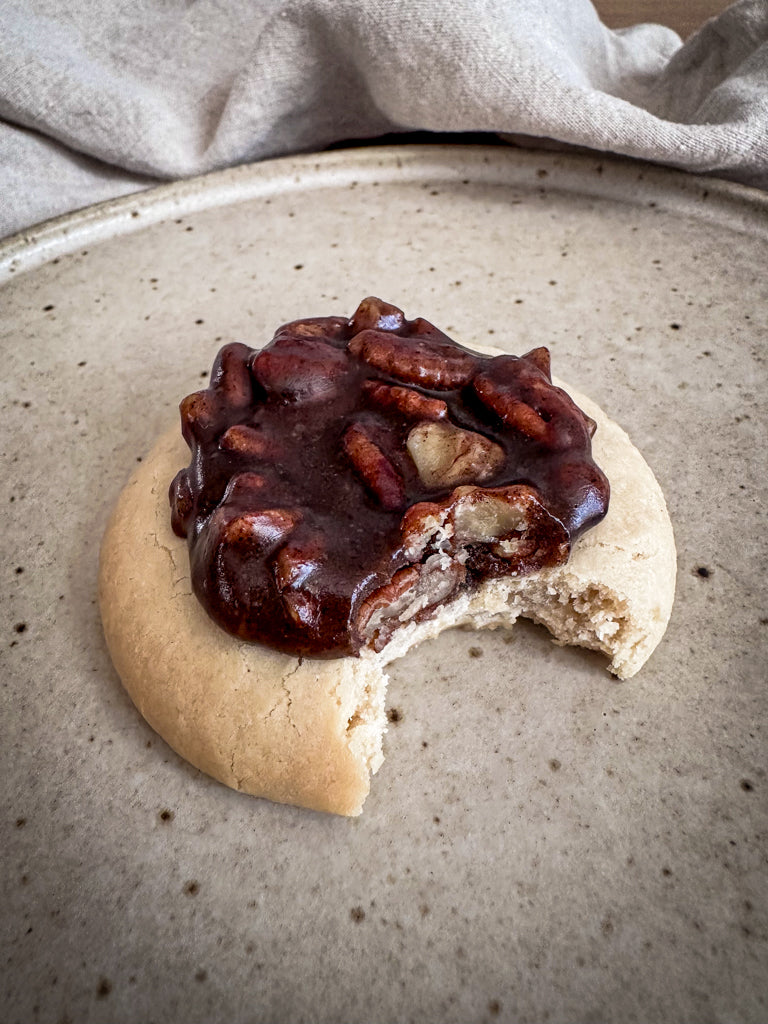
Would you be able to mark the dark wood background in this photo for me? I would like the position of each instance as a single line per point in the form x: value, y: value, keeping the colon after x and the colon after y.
x: 684, y: 16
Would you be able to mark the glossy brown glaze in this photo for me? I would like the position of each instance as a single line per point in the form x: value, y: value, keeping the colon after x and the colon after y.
x: 354, y: 474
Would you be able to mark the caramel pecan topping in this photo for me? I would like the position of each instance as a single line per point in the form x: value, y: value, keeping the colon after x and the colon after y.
x: 355, y: 473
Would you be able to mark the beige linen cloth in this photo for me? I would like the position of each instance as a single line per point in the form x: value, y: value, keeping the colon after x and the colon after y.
x: 103, y: 97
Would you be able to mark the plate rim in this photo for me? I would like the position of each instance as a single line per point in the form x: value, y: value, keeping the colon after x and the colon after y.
x: 727, y: 204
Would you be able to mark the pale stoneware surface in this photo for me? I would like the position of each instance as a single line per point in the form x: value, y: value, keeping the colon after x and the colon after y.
x: 542, y: 842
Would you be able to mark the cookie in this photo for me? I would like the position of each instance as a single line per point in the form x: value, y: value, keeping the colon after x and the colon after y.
x: 305, y: 728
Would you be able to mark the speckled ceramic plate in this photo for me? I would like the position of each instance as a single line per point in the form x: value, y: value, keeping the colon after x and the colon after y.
x: 542, y: 843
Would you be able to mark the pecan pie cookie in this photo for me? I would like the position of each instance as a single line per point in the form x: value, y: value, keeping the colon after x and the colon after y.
x: 355, y: 487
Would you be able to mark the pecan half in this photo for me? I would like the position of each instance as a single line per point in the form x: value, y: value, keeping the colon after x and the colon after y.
x: 510, y: 522
x: 243, y: 488
x: 296, y: 561
x: 519, y: 392
x: 198, y: 415
x: 305, y: 609
x: 429, y: 360
x: 301, y: 369
x: 182, y: 503
x: 374, y: 468
x: 231, y: 376
x: 406, y: 401
x: 260, y: 530
x: 512, y: 411
x: 328, y: 328
x: 411, y: 594
x: 248, y: 441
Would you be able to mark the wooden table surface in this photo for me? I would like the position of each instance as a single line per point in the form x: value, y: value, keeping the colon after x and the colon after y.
x: 684, y: 16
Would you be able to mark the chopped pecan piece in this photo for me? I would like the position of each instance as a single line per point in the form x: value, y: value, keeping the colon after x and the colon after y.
x: 510, y: 521
x: 445, y: 455
x: 411, y: 594
x: 243, y: 487
x: 231, y: 388
x: 425, y: 525
x: 540, y: 357
x: 374, y: 314
x: 481, y: 516
x: 388, y: 596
